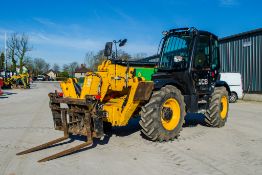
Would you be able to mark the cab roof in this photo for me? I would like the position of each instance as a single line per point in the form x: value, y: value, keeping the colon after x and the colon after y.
x: 191, y: 29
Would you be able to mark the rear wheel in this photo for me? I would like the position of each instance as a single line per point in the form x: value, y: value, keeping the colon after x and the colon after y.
x: 216, y: 115
x: 163, y: 116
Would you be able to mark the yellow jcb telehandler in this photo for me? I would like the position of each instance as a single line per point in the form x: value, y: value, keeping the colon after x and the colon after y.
x: 185, y: 79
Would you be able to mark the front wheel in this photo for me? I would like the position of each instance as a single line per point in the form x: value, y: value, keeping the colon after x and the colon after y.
x: 163, y: 116
x: 107, y: 126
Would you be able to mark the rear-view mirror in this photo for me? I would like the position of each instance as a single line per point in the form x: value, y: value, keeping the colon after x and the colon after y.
x: 108, y: 49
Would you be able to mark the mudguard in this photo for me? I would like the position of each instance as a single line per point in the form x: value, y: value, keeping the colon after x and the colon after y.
x: 220, y: 83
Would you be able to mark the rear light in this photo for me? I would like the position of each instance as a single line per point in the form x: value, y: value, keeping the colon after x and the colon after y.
x: 60, y: 94
x: 98, y: 97
x: 212, y: 74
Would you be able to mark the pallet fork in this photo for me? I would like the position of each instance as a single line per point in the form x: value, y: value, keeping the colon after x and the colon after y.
x: 61, y: 123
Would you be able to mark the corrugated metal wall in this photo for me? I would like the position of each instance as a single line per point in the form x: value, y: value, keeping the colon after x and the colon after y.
x: 244, y: 55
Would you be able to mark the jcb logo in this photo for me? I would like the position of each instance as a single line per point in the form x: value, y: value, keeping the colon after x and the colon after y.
x: 202, y: 81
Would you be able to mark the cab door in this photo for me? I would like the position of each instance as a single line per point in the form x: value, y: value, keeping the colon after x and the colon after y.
x: 202, y: 65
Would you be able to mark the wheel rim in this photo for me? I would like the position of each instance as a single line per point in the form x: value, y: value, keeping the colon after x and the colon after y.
x: 170, y: 114
x: 233, y: 97
x: 224, y: 107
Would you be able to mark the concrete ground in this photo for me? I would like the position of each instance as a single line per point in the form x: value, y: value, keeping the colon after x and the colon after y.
x: 26, y: 121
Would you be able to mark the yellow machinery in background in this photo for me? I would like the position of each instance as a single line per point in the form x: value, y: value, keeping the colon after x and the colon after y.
x: 17, y: 81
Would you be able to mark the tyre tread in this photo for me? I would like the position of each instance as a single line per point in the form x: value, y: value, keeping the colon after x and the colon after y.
x: 151, y: 127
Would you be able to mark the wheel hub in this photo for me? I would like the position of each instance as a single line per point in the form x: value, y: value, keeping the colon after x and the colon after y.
x: 170, y: 114
x: 167, y: 114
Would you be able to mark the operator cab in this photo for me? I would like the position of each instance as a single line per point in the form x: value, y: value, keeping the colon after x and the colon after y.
x: 189, y: 59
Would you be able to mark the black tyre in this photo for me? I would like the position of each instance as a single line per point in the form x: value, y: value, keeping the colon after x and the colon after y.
x: 233, y: 97
x: 216, y: 115
x: 107, y: 126
x: 163, y: 116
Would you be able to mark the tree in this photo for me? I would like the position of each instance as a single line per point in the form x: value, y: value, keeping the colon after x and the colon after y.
x: 17, y: 47
x: 36, y: 66
x: 63, y: 74
x: 2, y: 61
x: 98, y: 59
x: 22, y: 48
x: 11, y: 50
x: 139, y: 56
x: 40, y: 66
x: 89, y: 59
x: 29, y: 64
x: 72, y: 67
x: 56, y: 67
x: 46, y: 67
x: 65, y: 68
x: 93, y: 60
x: 122, y: 55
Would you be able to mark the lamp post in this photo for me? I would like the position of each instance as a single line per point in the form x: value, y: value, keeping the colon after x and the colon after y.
x: 5, y: 58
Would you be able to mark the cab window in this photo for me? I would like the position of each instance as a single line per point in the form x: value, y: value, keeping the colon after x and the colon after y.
x: 202, y: 56
x: 215, y: 54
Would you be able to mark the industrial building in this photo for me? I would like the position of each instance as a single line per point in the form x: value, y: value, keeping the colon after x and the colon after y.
x: 243, y: 53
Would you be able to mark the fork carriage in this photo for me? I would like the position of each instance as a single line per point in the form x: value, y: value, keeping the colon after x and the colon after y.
x: 78, y: 119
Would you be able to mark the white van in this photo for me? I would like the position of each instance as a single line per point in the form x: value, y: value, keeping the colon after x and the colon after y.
x: 234, y: 81
x: 40, y: 78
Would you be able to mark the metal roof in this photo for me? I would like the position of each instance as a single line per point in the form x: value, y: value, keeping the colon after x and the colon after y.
x: 241, y: 35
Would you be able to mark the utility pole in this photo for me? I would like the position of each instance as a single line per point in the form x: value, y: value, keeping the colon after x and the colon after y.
x: 5, y: 58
